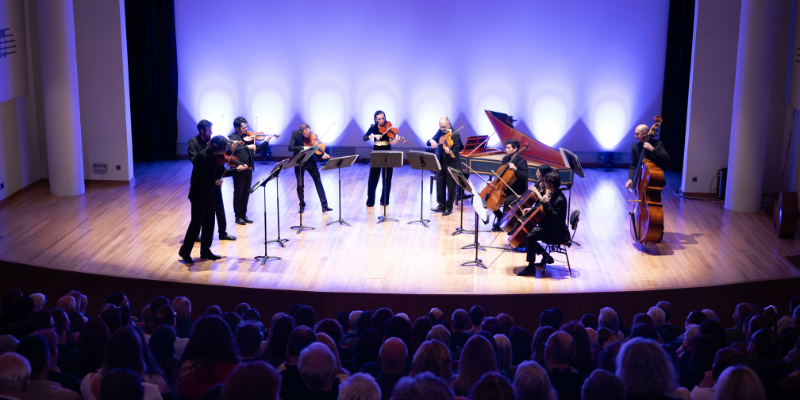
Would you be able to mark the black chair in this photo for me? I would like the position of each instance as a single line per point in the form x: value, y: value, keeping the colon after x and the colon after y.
x: 563, y: 247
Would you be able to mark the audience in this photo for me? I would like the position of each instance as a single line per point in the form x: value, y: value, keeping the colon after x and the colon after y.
x: 393, y: 357
x: 252, y: 380
x: 477, y: 359
x: 122, y: 384
x: 361, y: 387
x: 538, y: 342
x: 559, y: 353
x: 422, y: 386
x: 248, y: 340
x: 602, y: 385
x: 317, y: 366
x: 644, y: 370
x: 35, y: 349
x: 433, y: 357
x: 762, y: 359
x: 475, y: 316
x: 291, y: 379
x: 209, y: 357
x: 183, y: 315
x: 739, y: 383
x: 531, y: 382
x: 493, y: 386
x: 341, y: 374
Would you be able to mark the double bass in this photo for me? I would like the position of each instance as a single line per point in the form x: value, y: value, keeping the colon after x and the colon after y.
x: 647, y: 215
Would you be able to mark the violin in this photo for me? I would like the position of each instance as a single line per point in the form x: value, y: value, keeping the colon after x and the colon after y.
x: 260, y: 136
x: 229, y: 158
x: 389, y: 131
x: 311, y: 141
x: 446, y: 140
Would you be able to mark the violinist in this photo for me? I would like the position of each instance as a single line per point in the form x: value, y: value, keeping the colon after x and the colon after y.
x: 654, y: 151
x: 207, y: 174
x: 520, y: 185
x: 243, y: 179
x: 552, y: 229
x: 296, y: 145
x: 449, y: 156
x: 196, y: 145
x: 382, y: 142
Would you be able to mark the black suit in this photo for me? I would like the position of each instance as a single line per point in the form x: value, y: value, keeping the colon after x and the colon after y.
x: 443, y: 177
x: 552, y: 229
x: 242, y: 180
x: 205, y: 172
x: 296, y: 146
x: 376, y: 173
x: 659, y: 155
x: 519, y: 186
x: 195, y: 146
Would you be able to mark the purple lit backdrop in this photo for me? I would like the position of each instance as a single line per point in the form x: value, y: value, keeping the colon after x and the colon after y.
x: 576, y: 74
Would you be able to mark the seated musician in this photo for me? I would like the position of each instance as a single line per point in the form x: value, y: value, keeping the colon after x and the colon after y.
x: 520, y: 185
x: 553, y: 227
x: 654, y: 151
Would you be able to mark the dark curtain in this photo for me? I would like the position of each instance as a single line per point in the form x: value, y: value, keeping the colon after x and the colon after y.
x: 153, y: 76
x: 676, y: 80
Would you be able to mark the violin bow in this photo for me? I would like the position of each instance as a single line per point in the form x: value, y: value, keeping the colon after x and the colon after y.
x: 487, y: 182
x: 319, y: 137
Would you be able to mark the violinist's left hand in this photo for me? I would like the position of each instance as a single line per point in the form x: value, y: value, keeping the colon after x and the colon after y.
x: 271, y: 136
x: 648, y: 146
x: 326, y: 156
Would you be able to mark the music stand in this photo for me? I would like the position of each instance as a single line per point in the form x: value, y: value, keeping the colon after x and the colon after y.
x: 572, y: 162
x: 298, y: 161
x: 339, y: 163
x: 480, y: 210
x: 385, y: 159
x: 263, y: 183
x: 423, y: 161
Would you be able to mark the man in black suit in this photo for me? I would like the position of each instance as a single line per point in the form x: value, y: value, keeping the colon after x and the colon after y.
x: 552, y: 229
x: 243, y: 179
x: 654, y: 151
x: 520, y: 185
x: 196, y: 145
x: 296, y: 145
x: 448, y: 157
x: 207, y: 173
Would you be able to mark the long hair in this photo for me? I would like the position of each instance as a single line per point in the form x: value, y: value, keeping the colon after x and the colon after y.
x: 531, y: 382
x: 124, y: 350
x: 162, y: 346
x: 739, y: 383
x: 211, y: 341
x: 608, y: 319
x: 150, y: 364
x: 477, y: 359
x: 583, y: 345
x: 520, y: 345
x: 434, y: 357
x: 503, y: 352
x: 537, y: 345
x: 419, y: 333
x: 323, y: 338
x: 279, y: 338
x: 645, y: 369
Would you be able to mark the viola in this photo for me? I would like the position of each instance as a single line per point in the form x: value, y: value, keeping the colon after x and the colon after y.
x: 446, y: 140
x: 389, y: 131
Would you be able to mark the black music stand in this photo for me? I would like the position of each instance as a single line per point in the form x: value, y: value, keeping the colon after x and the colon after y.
x: 480, y: 210
x: 298, y: 161
x: 460, y: 196
x: 273, y: 175
x: 572, y: 162
x: 423, y: 161
x: 385, y: 159
x: 339, y: 163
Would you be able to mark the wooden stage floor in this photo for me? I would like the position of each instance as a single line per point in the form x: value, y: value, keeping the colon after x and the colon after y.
x: 136, y: 231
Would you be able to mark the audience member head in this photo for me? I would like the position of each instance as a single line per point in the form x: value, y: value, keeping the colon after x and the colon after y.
x: 531, y: 382
x: 507, y: 321
x: 739, y: 383
x: 343, y: 318
x: 162, y: 342
x: 560, y: 350
x: 182, y: 306
x: 38, y: 320
x: 607, y: 357
x: 400, y: 328
x: 38, y: 301
x: 503, y: 352
x: 352, y: 318
x: 436, y: 315
x: 710, y: 314
x: 703, y: 350
x: 76, y: 322
x: 714, y: 329
x: 589, y: 321
x: 363, y: 322
x: 317, y: 366
x: 520, y: 345
x: 305, y: 317
x: 214, y: 310
x: 393, y: 356
x: 146, y: 312
x: 15, y: 371
x: 403, y: 316
x: 22, y: 307
x: 434, y: 357
x: 667, y: 308
x: 604, y: 335
x: 424, y: 386
x: 379, y: 319
x: 359, y: 387
x: 492, y: 325
x: 755, y: 324
x: 549, y: 318
x: 164, y: 315
x: 241, y: 308
x: 602, y: 385
x: 281, y: 330
x: 249, y: 337
x: 124, y: 350
x: 92, y: 343
x: 493, y: 386
x: 323, y: 338
x: 368, y: 347
x: 251, y: 315
x: 113, y: 319
x: 252, y: 380
x: 583, y: 344
x: 36, y: 350
x: 642, y: 318
x: 301, y: 337
x: 439, y: 333
x: 695, y: 318
x: 477, y: 359
x: 211, y: 340
x: 67, y: 303
x: 331, y: 328
x: 727, y: 357
x: 61, y: 322
x: 232, y: 319
x: 537, y: 344
x: 121, y: 384
x: 644, y: 330
x: 293, y: 309
x: 644, y: 369
x: 764, y: 345
x: 419, y: 332
x: 157, y: 302
x: 656, y: 316
x: 460, y: 319
x: 608, y: 319
x: 118, y: 299
x: 476, y: 316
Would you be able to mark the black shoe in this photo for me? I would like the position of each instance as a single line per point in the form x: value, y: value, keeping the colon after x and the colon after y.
x: 186, y: 258
x: 240, y: 221
x: 370, y: 204
x: 447, y: 211
x: 384, y: 204
x: 210, y: 256
x: 527, y: 271
x: 326, y: 209
x: 439, y: 208
x: 496, y: 228
x: 225, y: 236
x: 302, y: 208
x: 248, y: 220
x: 199, y: 239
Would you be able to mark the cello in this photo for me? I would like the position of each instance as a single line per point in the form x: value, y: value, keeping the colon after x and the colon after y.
x: 647, y: 215
x: 494, y: 193
x: 527, y: 222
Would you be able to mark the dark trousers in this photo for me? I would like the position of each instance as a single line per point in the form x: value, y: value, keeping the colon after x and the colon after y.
x: 534, y: 247
x: 510, y: 198
x: 445, y: 180
x: 202, y: 218
x: 219, y: 210
x: 311, y: 168
x: 241, y: 192
x: 372, y: 185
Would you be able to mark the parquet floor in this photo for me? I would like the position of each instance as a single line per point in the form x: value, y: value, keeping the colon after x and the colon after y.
x: 136, y: 232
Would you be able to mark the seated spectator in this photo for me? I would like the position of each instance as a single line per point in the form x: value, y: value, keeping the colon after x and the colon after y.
x: 233, y: 320
x: 361, y: 387
x: 602, y: 385
x: 424, y: 386
x: 559, y: 353
x: 118, y: 299
x: 333, y: 329
x: 400, y: 328
x: 549, y: 318
x: 476, y: 315
x: 725, y: 358
x: 644, y: 370
x: 35, y: 349
x: 520, y: 345
x: 788, y: 339
x: 504, y: 355
x: 605, y: 338
x: 183, y: 317
x: 293, y: 310
x: 433, y: 357
x: 492, y: 325
x: 367, y: 349
x: 208, y: 359
x: 658, y: 316
x: 703, y: 350
x: 739, y: 383
x: 672, y: 356
x: 352, y: 318
x: 642, y: 318
x: 736, y: 334
x: 38, y: 301
x: 343, y: 318
x: 252, y: 380
x: 113, y: 319
x: 493, y: 386
x: 440, y: 333
x: 507, y: 322
x: 589, y: 321
x: 341, y: 374
x: 392, y: 358
x: 435, y: 315
x: 91, y: 348
x: 695, y: 318
x: 762, y: 353
x: 785, y: 323
x: 419, y: 333
x: 317, y: 367
x: 477, y: 359
x: 15, y: 372
x: 37, y: 321
x: 363, y: 323
x: 710, y: 314
x: 714, y: 329
x: 291, y: 380
x: 645, y: 330
x: 753, y: 324
x: 241, y: 308
x: 162, y: 347
x: 584, y: 359
x: 124, y: 350
x: 609, y: 319
x: 305, y: 317
x: 66, y: 347
x: 537, y: 344
x: 667, y: 325
x: 213, y: 310
x: 460, y: 333
x: 251, y: 315
x: 67, y: 303
x: 274, y: 352
x: 607, y: 357
x: 122, y: 384
x: 691, y: 332
x: 531, y: 382
x: 248, y: 340
x: 65, y: 379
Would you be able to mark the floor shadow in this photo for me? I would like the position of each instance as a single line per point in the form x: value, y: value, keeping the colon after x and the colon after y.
x: 673, y: 241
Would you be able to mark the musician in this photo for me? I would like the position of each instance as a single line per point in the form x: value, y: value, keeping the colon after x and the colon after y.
x: 242, y: 180
x: 654, y: 151
x: 296, y: 145
x: 207, y: 175
x: 382, y: 142
x: 447, y: 158
x: 553, y: 227
x: 520, y: 185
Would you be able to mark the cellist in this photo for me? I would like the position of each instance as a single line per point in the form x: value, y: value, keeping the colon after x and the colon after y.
x: 520, y: 168
x: 654, y: 151
x: 449, y: 156
x: 552, y: 229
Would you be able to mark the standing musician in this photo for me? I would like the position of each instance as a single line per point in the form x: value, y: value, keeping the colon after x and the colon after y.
x: 207, y: 174
x: 448, y: 157
x: 244, y: 178
x: 553, y: 227
x: 520, y: 168
x: 382, y: 143
x: 654, y: 151
x: 197, y: 144
x: 296, y: 145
